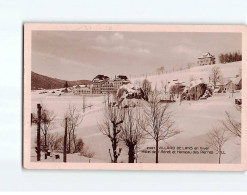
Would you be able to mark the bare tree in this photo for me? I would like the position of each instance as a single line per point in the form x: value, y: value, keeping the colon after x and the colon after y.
x: 231, y: 125
x: 132, y: 133
x: 146, y: 88
x: 107, y: 98
x: 74, y: 118
x: 215, y: 75
x: 159, y: 124
x: 161, y: 70
x: 46, y: 123
x: 110, y: 127
x: 216, y: 140
x: 164, y: 86
x: 86, y: 152
x: 47, y: 119
x: 54, y: 141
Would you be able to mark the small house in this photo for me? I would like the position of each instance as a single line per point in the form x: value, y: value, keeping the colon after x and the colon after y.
x: 195, y: 90
x: 234, y: 84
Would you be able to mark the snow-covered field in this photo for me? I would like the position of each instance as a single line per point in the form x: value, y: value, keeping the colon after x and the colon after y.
x: 194, y: 118
x: 227, y: 70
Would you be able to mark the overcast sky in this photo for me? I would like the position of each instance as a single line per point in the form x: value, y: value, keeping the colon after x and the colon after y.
x: 83, y: 55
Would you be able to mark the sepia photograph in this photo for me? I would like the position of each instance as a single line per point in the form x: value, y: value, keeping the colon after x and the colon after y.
x: 123, y: 96
x: 132, y: 95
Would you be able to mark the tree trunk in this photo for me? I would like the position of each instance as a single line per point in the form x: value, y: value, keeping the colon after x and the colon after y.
x: 157, y: 151
x: 74, y: 141
x: 114, y: 144
x: 131, y: 152
x: 45, y: 135
x: 136, y: 152
x: 65, y: 142
x: 69, y: 143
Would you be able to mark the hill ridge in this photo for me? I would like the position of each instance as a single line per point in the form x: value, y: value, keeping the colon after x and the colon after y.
x: 39, y: 81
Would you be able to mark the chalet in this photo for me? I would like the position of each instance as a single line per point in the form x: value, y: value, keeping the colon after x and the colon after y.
x: 234, y: 84
x: 175, y: 88
x: 206, y: 59
x: 195, y: 90
x: 220, y: 86
x: 228, y: 84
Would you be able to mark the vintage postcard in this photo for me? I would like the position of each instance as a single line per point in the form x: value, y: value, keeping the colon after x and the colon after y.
x: 135, y: 97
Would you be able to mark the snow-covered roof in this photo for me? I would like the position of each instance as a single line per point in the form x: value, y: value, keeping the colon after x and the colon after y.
x: 186, y: 88
x: 196, y: 82
x: 235, y: 80
x: 100, y: 77
x: 129, y: 87
x: 176, y: 82
x: 206, y: 55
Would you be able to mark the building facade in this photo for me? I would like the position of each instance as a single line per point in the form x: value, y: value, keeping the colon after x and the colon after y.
x: 98, y: 81
x: 206, y: 59
x: 82, y: 89
x: 103, y: 84
x: 108, y: 87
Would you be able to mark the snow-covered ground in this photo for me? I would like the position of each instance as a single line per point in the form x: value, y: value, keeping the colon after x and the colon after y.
x: 227, y: 70
x: 194, y: 118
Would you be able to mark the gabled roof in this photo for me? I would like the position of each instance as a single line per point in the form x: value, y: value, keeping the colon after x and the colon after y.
x: 206, y: 55
x: 196, y: 82
x: 235, y: 80
x: 101, y: 77
x: 223, y: 81
x: 78, y: 87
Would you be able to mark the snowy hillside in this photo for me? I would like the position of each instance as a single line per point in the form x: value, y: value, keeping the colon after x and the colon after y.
x: 228, y: 70
x: 195, y: 119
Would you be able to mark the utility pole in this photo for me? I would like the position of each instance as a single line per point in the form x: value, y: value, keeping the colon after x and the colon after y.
x: 83, y: 103
x: 65, y: 142
x: 38, y: 132
x: 31, y: 119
